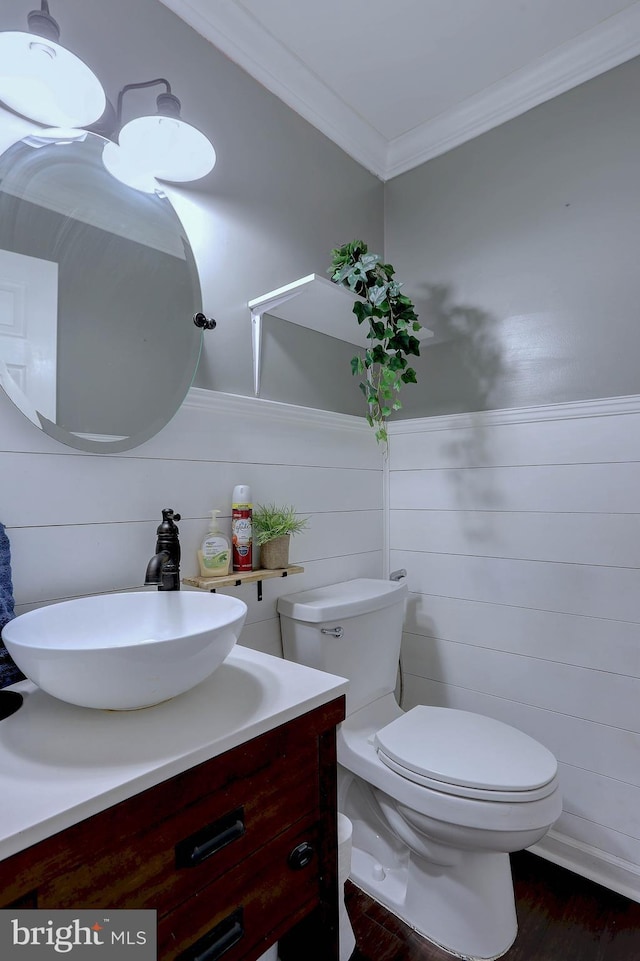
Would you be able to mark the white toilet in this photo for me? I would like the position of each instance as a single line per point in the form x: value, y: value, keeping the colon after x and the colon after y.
x: 437, y: 797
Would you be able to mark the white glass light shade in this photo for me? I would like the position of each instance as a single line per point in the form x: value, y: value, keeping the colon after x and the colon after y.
x: 13, y: 129
x: 43, y: 81
x: 125, y: 167
x: 170, y: 148
x: 42, y: 137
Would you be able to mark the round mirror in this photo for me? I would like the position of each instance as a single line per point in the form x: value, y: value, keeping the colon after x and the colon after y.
x: 98, y: 288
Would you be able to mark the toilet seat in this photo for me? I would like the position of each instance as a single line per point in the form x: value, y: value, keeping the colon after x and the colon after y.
x: 467, y: 755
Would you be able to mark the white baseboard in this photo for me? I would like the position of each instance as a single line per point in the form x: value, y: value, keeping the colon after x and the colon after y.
x: 590, y: 862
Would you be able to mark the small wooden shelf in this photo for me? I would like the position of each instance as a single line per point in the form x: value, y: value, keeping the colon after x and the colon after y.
x: 238, y: 577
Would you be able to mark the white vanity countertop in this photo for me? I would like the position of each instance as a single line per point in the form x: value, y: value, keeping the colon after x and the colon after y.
x: 60, y: 764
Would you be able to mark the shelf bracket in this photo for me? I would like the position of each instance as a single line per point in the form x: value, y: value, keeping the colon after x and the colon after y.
x: 256, y: 345
x: 256, y: 334
x: 212, y: 590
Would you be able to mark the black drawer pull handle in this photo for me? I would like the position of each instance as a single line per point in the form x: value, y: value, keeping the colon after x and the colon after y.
x: 199, y: 846
x: 301, y: 855
x: 218, y: 940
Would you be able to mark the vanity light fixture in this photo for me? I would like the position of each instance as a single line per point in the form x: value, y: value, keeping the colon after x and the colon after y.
x: 161, y: 146
x: 44, y: 82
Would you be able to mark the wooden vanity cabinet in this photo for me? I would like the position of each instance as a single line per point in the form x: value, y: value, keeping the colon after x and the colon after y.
x: 239, y: 851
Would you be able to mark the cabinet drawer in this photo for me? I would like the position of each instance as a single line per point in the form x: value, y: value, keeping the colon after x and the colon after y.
x: 250, y: 906
x: 167, y: 862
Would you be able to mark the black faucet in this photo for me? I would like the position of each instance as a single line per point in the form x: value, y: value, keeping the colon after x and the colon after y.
x: 164, y: 567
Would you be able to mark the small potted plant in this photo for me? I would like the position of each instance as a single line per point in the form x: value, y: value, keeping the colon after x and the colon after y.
x: 272, y: 529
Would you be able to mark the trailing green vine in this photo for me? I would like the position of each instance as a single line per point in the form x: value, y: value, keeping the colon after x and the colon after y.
x: 393, y: 324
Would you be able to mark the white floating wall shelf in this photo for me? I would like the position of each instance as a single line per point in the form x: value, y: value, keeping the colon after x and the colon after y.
x: 313, y: 302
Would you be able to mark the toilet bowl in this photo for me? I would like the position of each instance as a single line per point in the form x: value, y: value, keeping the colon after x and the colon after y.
x: 439, y: 858
x: 437, y: 797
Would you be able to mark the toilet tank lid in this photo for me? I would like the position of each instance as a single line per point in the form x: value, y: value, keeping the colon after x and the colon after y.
x: 348, y: 599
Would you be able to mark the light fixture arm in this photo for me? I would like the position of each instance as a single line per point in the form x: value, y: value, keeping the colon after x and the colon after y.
x: 167, y: 103
x: 42, y: 23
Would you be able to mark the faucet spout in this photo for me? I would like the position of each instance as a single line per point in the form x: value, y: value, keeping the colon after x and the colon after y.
x: 163, y: 569
x: 155, y: 567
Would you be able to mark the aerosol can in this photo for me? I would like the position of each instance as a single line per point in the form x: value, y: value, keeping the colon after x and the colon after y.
x: 241, y: 528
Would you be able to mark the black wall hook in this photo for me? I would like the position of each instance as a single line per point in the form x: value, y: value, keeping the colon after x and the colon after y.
x: 201, y: 321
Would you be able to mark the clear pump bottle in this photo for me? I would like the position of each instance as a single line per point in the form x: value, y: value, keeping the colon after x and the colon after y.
x: 214, y: 555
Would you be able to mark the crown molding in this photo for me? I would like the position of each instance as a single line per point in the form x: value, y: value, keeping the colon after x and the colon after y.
x: 234, y: 31
x: 611, y: 43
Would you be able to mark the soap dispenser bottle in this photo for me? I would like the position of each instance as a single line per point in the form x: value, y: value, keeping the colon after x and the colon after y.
x: 214, y: 555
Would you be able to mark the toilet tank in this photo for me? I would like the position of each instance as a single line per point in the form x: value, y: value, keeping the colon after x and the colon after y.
x: 352, y: 629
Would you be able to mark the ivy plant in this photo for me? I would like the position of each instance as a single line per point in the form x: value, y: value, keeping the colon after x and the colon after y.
x: 393, y: 325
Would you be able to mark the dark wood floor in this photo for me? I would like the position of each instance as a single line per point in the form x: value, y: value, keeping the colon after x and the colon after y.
x: 561, y: 917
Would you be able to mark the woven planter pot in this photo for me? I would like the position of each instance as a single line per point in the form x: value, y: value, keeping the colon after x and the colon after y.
x: 275, y: 554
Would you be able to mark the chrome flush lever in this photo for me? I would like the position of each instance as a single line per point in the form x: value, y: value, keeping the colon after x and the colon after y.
x: 332, y: 631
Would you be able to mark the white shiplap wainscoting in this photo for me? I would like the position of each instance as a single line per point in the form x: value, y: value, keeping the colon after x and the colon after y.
x: 86, y: 523
x: 520, y: 531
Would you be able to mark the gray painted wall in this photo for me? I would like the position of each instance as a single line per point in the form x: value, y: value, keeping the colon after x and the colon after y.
x: 280, y: 197
x: 521, y: 250
x: 519, y: 247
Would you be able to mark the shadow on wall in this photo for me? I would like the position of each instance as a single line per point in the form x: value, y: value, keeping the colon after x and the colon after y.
x: 470, y: 364
x: 420, y: 644
x: 462, y: 372
x: 459, y: 371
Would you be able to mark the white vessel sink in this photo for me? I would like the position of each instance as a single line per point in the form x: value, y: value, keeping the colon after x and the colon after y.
x: 125, y: 651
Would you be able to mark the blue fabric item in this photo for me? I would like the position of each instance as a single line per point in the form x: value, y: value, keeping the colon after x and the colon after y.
x: 9, y: 673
